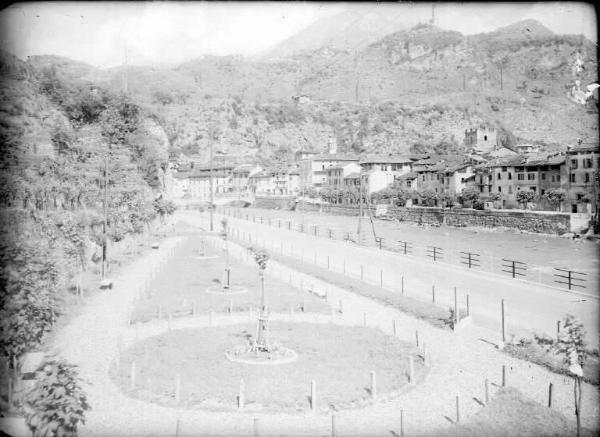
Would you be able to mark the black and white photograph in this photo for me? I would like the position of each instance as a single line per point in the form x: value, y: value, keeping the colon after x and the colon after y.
x: 299, y: 219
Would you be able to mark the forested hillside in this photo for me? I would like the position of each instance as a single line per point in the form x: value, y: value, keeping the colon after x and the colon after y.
x: 58, y: 136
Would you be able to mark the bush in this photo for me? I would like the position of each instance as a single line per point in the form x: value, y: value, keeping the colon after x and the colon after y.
x: 56, y: 404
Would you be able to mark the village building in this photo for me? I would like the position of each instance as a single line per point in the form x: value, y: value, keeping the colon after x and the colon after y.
x: 337, y: 173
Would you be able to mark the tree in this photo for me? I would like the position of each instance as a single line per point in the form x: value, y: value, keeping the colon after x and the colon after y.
x: 470, y: 195
x: 56, y: 404
x: 525, y: 196
x: 571, y: 344
x: 555, y: 196
x: 428, y: 197
x: 162, y: 97
x: 446, y: 200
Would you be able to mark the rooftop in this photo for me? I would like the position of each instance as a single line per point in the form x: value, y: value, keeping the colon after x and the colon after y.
x: 386, y: 159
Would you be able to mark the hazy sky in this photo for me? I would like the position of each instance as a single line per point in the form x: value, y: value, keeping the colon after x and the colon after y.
x: 160, y: 32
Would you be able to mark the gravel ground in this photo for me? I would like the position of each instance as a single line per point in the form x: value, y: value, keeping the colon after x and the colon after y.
x: 460, y: 362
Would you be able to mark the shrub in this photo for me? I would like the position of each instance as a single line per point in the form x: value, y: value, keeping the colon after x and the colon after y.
x: 56, y: 404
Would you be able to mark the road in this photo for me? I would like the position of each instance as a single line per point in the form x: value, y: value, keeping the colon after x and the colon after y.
x: 529, y: 307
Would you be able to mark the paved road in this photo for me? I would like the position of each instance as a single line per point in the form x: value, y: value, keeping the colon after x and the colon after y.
x: 528, y: 306
x: 540, y: 253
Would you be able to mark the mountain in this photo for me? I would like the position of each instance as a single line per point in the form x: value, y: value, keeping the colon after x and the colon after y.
x: 414, y: 87
x: 350, y: 30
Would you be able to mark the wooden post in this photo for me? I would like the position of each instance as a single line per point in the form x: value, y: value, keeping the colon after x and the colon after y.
x: 402, y: 285
x: 503, y: 325
x: 557, y: 329
x: 468, y: 308
x: 401, y: 423
x: 373, y: 385
x: 457, y: 410
x: 341, y: 307
x: 424, y: 353
x: 177, y: 387
x: 381, y: 278
x: 433, y: 293
x: 362, y: 271
x: 455, y: 308
x: 132, y: 375
x: 394, y: 326
x: 333, y: 430
x: 177, y: 426
x: 411, y: 369
x: 230, y: 307
x: 550, y: 395
x: 344, y: 268
x: 241, y: 396
x: 487, y: 391
x: 256, y: 427
x: 417, y: 337
x: 313, y: 396
x: 327, y: 262
x: 503, y: 375
x: 303, y: 304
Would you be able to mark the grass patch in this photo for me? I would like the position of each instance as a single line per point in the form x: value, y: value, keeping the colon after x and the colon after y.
x: 325, y: 352
x: 433, y: 314
x: 540, y: 350
x: 186, y: 278
x: 512, y: 413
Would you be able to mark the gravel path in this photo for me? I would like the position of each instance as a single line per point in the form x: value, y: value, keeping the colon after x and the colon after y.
x: 460, y: 363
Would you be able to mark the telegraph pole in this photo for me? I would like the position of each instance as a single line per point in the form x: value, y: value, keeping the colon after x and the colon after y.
x: 210, y: 143
x: 104, y: 223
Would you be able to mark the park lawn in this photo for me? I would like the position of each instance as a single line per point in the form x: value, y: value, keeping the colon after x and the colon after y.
x: 185, y: 279
x: 510, y: 413
x: 339, y: 359
x: 435, y: 315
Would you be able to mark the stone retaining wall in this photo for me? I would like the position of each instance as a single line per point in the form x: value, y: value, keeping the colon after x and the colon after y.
x: 531, y: 221
x: 272, y: 202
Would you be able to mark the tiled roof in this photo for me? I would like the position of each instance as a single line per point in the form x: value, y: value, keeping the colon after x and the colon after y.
x: 334, y: 158
x: 385, y: 159
x: 354, y: 175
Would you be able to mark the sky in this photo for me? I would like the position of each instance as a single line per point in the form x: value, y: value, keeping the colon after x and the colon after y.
x: 99, y: 33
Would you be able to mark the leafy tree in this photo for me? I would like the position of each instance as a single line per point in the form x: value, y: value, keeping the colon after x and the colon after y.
x: 162, y: 97
x: 56, y: 404
x: 470, y: 195
x: 555, y: 196
x: 428, y: 197
x: 572, y: 346
x: 163, y: 207
x: 525, y: 196
x: 446, y: 199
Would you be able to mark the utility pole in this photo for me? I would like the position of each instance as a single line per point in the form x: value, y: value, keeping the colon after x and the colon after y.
x: 105, y: 208
x: 212, y: 199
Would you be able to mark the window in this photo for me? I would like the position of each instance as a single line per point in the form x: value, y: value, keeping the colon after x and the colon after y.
x: 543, y: 191
x: 543, y: 176
x: 587, y: 163
x: 521, y: 177
x: 499, y: 176
x: 503, y: 168
x: 572, y: 177
x: 485, y: 138
x: 573, y: 163
x: 587, y: 177
x: 510, y: 189
x: 533, y: 189
x: 499, y: 189
x: 557, y: 178
x: 531, y: 176
x: 510, y: 176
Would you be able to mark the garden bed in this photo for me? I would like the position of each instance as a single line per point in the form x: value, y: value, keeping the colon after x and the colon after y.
x: 339, y: 359
x: 185, y: 280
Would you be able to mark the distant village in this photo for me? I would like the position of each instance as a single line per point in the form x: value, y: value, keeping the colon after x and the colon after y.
x: 489, y: 176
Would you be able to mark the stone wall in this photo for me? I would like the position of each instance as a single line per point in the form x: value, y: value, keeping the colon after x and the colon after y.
x: 274, y: 202
x: 531, y: 221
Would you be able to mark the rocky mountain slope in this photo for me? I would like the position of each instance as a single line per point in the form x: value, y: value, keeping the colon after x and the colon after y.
x: 415, y: 88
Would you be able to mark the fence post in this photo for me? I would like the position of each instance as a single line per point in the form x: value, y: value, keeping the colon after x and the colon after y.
x: 457, y: 410
x: 381, y: 278
x: 132, y: 375
x: 487, y: 391
x: 327, y: 262
x: 394, y: 326
x: 177, y: 387
x: 361, y: 272
x: 503, y: 375
x: 503, y: 325
x: 177, y: 426
x: 401, y: 423
x: 468, y: 308
x: 411, y: 369
x: 550, y: 396
x: 433, y: 293
x: 557, y: 329
x: 333, y: 430
x: 417, y: 337
x: 256, y: 427
x: 344, y: 268
x: 313, y: 396
x: 455, y: 308
x: 241, y: 397
x: 341, y: 307
x: 402, y: 285
x: 364, y: 319
x: 373, y: 385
